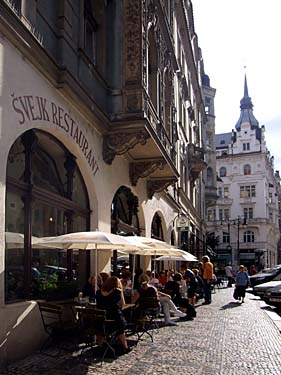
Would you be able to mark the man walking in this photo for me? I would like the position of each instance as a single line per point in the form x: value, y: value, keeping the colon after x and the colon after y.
x: 207, y: 277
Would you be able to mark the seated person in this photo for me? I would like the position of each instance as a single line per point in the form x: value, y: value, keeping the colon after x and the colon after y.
x: 127, y: 284
x: 173, y: 289
x: 200, y: 284
x: 89, y: 288
x: 163, y: 279
x: 110, y: 298
x: 192, y: 283
x: 165, y: 300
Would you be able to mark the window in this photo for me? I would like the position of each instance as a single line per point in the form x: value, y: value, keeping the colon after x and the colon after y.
x: 220, y: 192
x: 211, y: 215
x: 248, y: 213
x: 225, y: 192
x: 249, y: 236
x: 247, y: 191
x: 226, y: 214
x: 90, y: 31
x: 222, y: 172
x: 222, y: 142
x: 56, y: 204
x: 225, y: 237
x: 209, y: 177
x: 246, y: 146
x: 247, y: 169
x: 220, y: 214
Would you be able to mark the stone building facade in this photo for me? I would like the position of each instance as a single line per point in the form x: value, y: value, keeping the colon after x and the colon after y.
x: 102, y: 127
x: 245, y: 218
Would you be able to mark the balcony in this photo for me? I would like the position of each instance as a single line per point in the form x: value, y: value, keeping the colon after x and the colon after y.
x: 196, y: 162
x: 144, y: 141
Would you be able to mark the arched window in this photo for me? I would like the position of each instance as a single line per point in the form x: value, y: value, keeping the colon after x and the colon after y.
x: 124, y: 212
x: 156, y: 227
x: 222, y: 172
x: 247, y: 169
x: 45, y: 196
x: 248, y: 236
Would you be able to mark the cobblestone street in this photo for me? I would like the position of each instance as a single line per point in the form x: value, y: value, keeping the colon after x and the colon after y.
x: 226, y: 338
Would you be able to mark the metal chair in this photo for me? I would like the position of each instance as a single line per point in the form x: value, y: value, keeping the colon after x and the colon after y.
x: 93, y: 321
x: 149, y: 310
x: 60, y: 332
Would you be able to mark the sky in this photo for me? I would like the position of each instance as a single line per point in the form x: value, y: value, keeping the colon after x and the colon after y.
x: 234, y: 34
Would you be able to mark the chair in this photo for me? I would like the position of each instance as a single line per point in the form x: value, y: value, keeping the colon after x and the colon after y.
x: 149, y: 310
x: 60, y: 332
x: 92, y: 321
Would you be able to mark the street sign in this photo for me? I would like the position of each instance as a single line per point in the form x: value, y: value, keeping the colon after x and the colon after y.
x: 182, y: 223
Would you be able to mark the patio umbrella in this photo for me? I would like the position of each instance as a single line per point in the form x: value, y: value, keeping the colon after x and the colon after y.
x: 16, y: 240
x: 187, y: 257
x: 156, y: 247
x: 95, y: 240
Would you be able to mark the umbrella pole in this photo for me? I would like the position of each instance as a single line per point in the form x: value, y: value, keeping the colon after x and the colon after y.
x: 96, y: 268
x: 154, y: 263
x: 133, y: 271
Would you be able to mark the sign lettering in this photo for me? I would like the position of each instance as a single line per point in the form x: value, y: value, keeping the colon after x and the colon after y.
x: 34, y: 109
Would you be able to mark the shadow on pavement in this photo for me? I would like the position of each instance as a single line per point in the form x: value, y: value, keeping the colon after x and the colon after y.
x: 230, y: 305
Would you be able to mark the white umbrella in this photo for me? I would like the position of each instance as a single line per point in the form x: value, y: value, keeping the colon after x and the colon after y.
x: 186, y: 257
x: 156, y: 247
x: 16, y: 240
x: 91, y: 241
x: 151, y: 242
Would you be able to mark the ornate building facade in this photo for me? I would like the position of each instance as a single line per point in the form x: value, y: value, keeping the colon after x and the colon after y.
x: 103, y: 126
x: 245, y: 218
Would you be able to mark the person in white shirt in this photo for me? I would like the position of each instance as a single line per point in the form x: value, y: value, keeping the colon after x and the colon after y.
x: 229, y: 274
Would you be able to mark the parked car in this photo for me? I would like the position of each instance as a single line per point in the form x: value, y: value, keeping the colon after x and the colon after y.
x: 273, y: 296
x: 265, y: 275
x: 261, y: 289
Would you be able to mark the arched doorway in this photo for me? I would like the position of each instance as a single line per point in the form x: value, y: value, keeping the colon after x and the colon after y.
x: 45, y: 196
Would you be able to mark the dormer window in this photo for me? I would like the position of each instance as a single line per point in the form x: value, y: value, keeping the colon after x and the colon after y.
x: 246, y: 146
x: 222, y: 142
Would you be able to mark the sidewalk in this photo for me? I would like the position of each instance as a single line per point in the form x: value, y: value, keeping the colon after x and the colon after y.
x: 225, y: 338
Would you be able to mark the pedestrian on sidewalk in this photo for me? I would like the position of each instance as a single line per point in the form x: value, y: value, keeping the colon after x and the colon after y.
x: 207, y: 278
x: 229, y: 274
x: 241, y: 283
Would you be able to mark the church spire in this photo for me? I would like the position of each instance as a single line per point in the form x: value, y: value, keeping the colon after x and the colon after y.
x: 246, y: 107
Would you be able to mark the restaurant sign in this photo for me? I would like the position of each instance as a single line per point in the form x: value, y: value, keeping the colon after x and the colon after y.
x: 182, y: 223
x: 31, y: 108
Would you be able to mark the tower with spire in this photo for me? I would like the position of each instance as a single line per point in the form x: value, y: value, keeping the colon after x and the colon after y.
x: 245, y: 216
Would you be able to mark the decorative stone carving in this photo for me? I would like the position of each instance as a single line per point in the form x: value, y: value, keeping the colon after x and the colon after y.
x: 144, y: 169
x: 133, y: 40
x: 119, y: 143
x: 156, y: 186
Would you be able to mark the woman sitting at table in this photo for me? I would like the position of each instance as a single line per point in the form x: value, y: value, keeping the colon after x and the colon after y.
x: 127, y: 285
x: 89, y: 288
x: 110, y: 298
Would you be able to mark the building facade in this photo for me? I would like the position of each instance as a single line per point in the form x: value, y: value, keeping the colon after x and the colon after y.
x: 102, y: 123
x: 245, y: 219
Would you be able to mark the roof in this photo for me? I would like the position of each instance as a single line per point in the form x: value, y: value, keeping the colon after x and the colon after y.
x: 246, y: 107
x: 223, y: 140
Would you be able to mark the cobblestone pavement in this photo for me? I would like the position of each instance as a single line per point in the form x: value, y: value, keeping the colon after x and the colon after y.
x: 226, y: 338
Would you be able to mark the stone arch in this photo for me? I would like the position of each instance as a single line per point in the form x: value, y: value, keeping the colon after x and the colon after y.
x: 46, y: 195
